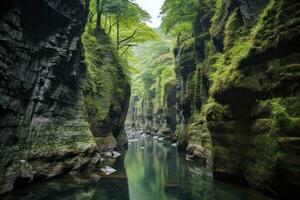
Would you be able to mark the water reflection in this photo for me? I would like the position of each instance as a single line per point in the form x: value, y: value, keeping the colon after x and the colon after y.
x: 148, y: 170
x: 156, y: 171
x: 159, y: 172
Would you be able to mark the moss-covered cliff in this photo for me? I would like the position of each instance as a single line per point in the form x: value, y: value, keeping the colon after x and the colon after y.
x: 239, y: 92
x: 107, y: 92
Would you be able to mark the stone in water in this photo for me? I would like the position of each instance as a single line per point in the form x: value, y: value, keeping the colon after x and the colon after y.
x: 116, y: 154
x: 108, y: 170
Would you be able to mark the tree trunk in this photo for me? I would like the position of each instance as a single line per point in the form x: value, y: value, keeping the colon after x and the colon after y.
x: 99, y: 10
x: 105, y: 22
x: 86, y: 7
x: 118, y: 32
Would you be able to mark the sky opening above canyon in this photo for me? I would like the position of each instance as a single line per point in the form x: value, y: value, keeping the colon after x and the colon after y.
x: 153, y: 8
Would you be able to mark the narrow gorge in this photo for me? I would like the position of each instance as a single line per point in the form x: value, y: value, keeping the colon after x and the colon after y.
x: 203, y: 105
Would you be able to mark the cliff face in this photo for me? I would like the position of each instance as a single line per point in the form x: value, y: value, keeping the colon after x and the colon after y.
x: 255, y: 129
x: 193, y: 89
x: 45, y: 130
x: 244, y: 67
x: 153, y: 102
x: 155, y: 114
x: 107, y: 91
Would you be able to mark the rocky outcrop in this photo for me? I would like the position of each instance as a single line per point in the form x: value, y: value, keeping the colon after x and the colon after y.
x: 44, y: 128
x: 107, y: 91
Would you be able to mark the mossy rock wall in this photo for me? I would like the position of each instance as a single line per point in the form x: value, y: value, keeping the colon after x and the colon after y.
x: 154, y: 113
x: 192, y: 88
x: 107, y: 91
x: 238, y: 92
x: 251, y: 60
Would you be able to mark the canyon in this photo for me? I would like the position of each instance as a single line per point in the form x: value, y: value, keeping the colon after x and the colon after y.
x: 229, y: 97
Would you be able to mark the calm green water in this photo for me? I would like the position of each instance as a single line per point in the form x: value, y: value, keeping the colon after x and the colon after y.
x: 155, y: 172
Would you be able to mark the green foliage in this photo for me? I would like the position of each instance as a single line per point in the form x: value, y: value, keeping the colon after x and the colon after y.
x: 265, y: 38
x: 231, y: 32
x: 238, y: 44
x: 215, y: 111
x: 154, y: 64
x: 167, y: 77
x: 125, y: 22
x: 178, y: 16
x: 284, y: 115
x: 219, y: 8
x: 267, y: 154
x: 107, y: 85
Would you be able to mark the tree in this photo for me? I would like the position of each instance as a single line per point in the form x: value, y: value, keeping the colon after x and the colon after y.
x: 99, y: 10
x: 178, y: 16
x: 125, y: 21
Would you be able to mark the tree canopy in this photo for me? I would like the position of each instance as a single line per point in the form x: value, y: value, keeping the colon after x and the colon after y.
x: 124, y: 21
x: 178, y: 16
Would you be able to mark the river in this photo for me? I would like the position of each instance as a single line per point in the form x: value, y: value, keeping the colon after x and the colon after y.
x: 149, y: 169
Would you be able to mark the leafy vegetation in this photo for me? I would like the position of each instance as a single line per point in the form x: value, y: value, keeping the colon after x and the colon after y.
x: 154, y: 64
x: 178, y: 16
x: 123, y: 20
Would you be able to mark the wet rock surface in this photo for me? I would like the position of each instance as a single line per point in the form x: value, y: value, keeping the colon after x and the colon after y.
x: 44, y: 131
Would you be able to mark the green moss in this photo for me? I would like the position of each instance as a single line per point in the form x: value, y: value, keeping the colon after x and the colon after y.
x: 238, y: 43
x: 264, y: 32
x: 167, y: 77
x: 190, y: 86
x: 182, y: 135
x: 231, y: 30
x: 238, y: 52
x: 285, y: 113
x: 218, y: 17
x: 215, y: 111
x: 107, y: 84
x: 266, y: 154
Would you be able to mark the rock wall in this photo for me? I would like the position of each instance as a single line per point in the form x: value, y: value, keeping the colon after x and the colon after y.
x: 255, y: 121
x: 193, y: 89
x: 151, y: 116
x: 45, y: 127
x: 107, y: 91
x: 153, y: 102
x: 238, y: 92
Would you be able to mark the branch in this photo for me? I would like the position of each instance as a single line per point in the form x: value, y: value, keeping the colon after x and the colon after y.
x: 90, y: 17
x: 127, y: 47
x: 129, y: 37
x: 111, y: 26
